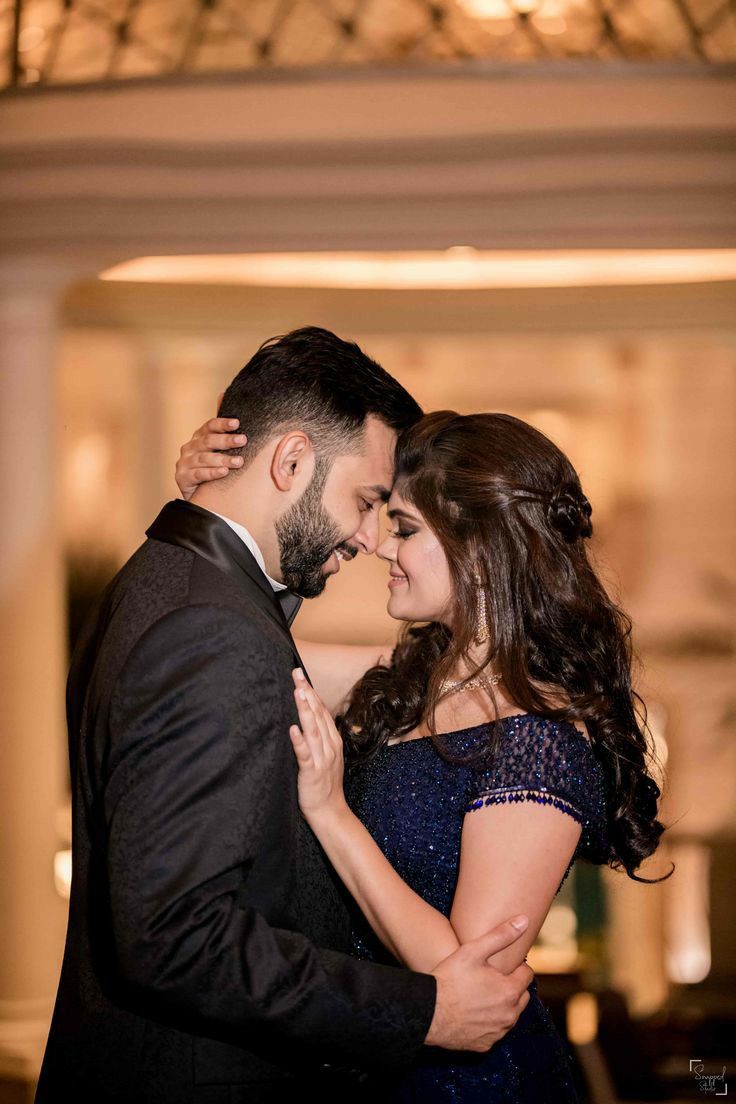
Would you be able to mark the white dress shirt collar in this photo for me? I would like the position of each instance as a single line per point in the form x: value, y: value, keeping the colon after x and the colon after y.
x: 248, y: 539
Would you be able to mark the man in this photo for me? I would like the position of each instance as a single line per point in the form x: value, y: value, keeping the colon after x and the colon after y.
x: 206, y: 950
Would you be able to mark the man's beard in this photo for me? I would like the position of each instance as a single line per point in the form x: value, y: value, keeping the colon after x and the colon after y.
x: 307, y: 537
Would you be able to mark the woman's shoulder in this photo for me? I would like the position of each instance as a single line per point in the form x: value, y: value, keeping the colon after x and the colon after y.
x: 529, y: 734
x: 550, y: 747
x: 540, y: 726
x: 542, y: 732
x: 543, y: 759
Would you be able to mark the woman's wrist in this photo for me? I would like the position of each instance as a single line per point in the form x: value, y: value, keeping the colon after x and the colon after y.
x: 330, y: 816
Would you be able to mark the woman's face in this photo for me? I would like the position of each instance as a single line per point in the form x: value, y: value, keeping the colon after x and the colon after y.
x: 420, y: 587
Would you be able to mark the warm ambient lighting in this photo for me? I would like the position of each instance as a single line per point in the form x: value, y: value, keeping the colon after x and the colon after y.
x: 502, y: 9
x: 582, y: 1018
x: 460, y: 267
x: 687, y: 917
x: 63, y: 873
x: 556, y: 949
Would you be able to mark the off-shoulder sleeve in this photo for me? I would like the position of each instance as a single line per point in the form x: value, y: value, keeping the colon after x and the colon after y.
x: 551, y: 763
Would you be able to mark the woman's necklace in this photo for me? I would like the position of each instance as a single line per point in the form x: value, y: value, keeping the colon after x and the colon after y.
x: 451, y: 686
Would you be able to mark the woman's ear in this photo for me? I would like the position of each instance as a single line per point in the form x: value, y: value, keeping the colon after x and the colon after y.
x: 293, y: 461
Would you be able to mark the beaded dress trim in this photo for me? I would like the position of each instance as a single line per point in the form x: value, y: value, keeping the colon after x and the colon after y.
x: 509, y: 794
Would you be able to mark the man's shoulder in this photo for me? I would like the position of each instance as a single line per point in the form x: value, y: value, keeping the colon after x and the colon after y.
x: 165, y: 588
x: 155, y: 579
x: 164, y: 577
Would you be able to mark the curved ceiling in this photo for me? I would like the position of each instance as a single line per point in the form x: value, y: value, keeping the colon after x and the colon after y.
x: 81, y: 41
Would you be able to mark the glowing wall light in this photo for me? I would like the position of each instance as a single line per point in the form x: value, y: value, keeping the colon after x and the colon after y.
x: 460, y: 267
x: 688, y: 914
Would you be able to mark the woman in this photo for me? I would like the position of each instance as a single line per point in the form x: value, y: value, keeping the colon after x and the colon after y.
x: 495, y: 744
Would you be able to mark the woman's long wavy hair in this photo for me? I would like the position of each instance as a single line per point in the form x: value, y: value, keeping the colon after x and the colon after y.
x: 509, y: 511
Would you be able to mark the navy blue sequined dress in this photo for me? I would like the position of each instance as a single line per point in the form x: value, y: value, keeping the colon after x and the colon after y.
x: 413, y: 802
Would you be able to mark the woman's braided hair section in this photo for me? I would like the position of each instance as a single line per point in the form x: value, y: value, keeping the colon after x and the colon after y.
x: 568, y: 511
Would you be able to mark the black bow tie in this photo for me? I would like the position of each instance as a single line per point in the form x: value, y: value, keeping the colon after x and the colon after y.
x: 289, y: 603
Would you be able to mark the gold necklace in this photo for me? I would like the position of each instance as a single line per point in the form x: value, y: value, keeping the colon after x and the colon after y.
x: 450, y: 686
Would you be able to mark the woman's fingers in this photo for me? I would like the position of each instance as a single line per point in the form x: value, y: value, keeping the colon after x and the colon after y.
x: 205, y: 456
x: 214, y: 425
x: 332, y: 739
x: 219, y: 425
x: 321, y: 717
x: 213, y: 441
x: 219, y: 433
x: 300, y: 745
x: 193, y: 470
x: 310, y: 728
x: 215, y: 460
x: 206, y: 475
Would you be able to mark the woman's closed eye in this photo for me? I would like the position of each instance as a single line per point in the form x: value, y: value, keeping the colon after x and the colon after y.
x: 402, y: 534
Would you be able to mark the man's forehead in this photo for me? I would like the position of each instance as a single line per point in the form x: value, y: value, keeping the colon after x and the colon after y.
x: 372, y: 474
x: 379, y: 438
x: 377, y: 454
x: 383, y: 492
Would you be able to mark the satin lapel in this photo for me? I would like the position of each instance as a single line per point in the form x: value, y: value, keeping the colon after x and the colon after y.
x: 290, y: 604
x: 199, y: 530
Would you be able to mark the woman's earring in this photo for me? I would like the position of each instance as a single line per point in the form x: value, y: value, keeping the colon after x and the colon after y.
x: 481, y: 614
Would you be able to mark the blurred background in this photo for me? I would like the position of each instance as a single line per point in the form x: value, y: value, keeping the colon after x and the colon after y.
x: 514, y: 205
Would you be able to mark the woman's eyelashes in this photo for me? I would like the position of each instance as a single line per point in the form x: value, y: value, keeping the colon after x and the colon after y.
x: 402, y: 534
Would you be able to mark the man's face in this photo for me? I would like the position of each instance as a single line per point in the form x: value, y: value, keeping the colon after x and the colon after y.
x: 338, y: 514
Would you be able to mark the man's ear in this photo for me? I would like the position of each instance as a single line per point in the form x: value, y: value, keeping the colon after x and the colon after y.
x: 293, y: 461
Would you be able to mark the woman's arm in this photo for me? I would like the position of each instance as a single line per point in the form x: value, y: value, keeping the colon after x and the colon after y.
x: 415, y: 933
x: 512, y: 859
x: 335, y: 668
x: 512, y: 856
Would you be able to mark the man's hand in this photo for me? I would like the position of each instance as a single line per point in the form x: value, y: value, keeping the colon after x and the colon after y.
x: 477, y: 1004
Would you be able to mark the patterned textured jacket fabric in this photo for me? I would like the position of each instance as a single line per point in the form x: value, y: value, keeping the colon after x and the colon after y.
x: 206, y: 953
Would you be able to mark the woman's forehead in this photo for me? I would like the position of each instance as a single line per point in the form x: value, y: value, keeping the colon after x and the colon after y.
x: 398, y: 502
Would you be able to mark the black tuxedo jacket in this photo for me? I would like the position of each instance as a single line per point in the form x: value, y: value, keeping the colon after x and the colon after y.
x: 205, y: 958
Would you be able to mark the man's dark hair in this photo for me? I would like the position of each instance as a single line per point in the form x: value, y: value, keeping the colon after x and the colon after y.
x: 311, y: 379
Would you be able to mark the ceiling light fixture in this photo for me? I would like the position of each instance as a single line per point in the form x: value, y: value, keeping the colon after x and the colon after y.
x: 460, y: 268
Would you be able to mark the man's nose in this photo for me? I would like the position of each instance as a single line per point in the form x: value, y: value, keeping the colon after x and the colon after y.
x: 367, y: 536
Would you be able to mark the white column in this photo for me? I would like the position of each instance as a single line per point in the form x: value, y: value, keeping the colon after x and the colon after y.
x: 177, y: 391
x: 32, y: 665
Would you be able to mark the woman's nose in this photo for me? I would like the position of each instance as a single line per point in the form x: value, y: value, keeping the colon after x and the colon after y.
x: 385, y: 550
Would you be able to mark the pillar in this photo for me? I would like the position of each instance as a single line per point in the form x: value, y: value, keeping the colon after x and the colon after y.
x: 32, y: 666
